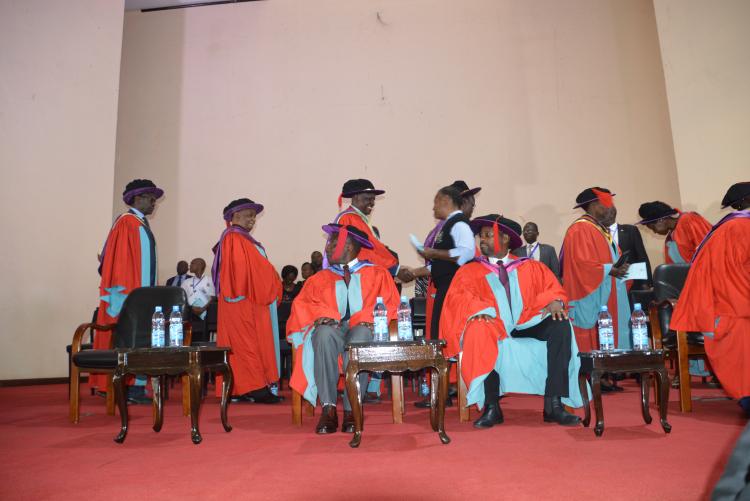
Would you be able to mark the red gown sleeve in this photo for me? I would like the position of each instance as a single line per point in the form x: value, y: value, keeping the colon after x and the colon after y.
x: 246, y: 273
x: 380, y: 255
x: 467, y: 296
x: 689, y: 233
x: 315, y: 300
x: 583, y: 262
x: 121, y: 265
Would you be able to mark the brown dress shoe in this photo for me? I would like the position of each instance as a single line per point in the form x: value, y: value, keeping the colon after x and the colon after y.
x: 347, y: 426
x: 328, y: 422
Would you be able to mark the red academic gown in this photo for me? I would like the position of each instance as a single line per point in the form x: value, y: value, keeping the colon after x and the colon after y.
x: 380, y: 254
x: 716, y: 299
x: 470, y: 294
x: 317, y: 299
x: 586, y: 252
x: 124, y: 267
x: 248, y: 284
x: 690, y: 231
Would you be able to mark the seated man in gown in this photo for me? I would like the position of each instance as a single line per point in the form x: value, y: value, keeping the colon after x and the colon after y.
x: 334, y: 308
x: 508, y: 316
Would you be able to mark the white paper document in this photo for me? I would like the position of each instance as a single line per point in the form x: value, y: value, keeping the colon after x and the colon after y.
x: 637, y: 271
x: 416, y: 242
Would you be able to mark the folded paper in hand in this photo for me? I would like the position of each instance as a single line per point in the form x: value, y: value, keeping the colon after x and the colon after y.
x: 637, y: 271
x: 416, y: 242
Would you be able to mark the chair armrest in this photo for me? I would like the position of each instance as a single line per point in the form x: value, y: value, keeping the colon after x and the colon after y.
x: 187, y: 333
x: 75, y: 345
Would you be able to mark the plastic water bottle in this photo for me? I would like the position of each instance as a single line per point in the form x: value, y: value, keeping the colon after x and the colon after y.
x: 424, y: 388
x: 404, y: 321
x: 157, y: 328
x: 639, y: 328
x: 606, y: 330
x: 175, y: 327
x: 380, y: 321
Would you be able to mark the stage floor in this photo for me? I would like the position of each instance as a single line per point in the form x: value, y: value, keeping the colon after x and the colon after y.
x: 44, y: 456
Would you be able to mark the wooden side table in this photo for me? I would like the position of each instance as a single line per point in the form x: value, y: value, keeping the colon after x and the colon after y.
x: 596, y: 363
x: 399, y: 356
x: 161, y: 362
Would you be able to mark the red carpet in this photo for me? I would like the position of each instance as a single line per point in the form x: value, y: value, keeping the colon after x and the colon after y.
x: 46, y: 457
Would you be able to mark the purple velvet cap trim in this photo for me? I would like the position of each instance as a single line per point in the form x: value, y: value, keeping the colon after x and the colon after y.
x: 330, y: 229
x: 515, y: 239
x: 228, y: 214
x: 128, y: 196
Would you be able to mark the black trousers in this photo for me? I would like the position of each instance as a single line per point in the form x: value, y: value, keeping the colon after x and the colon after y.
x: 556, y: 334
x: 441, y: 290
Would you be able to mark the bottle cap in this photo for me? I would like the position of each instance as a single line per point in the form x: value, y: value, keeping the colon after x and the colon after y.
x: 379, y: 299
x: 637, y: 306
x: 175, y: 308
x: 604, y: 308
x: 158, y: 308
x: 404, y: 299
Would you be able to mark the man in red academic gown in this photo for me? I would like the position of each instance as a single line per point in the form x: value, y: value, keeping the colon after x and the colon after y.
x: 128, y: 261
x: 499, y: 295
x: 335, y: 307
x: 363, y: 194
x: 589, y: 276
x: 247, y: 288
x: 716, y: 296
x: 684, y: 230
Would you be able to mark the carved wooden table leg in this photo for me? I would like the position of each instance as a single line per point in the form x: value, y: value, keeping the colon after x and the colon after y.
x: 662, y: 382
x: 118, y: 384
x: 397, y: 397
x: 644, y: 397
x: 596, y: 384
x: 585, y: 398
x: 352, y: 391
x: 195, y: 375
x: 442, y: 373
x: 434, y: 389
x: 158, y: 385
x: 226, y: 387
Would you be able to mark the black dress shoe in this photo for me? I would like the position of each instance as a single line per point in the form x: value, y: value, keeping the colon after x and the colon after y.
x: 554, y: 412
x: 347, y: 426
x: 263, y: 396
x: 328, y: 422
x: 137, y: 395
x: 491, y: 416
x: 425, y: 404
x: 245, y: 397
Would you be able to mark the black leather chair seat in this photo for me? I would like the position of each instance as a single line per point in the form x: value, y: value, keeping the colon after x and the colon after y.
x: 670, y: 339
x: 88, y: 346
x: 96, y: 359
x: 204, y: 344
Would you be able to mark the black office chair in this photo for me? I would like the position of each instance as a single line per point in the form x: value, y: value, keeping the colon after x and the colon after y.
x: 132, y: 330
x: 669, y: 279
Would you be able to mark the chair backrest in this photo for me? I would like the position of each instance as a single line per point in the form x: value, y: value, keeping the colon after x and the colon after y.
x: 418, y: 312
x: 134, y: 324
x: 669, y: 279
x: 212, y: 316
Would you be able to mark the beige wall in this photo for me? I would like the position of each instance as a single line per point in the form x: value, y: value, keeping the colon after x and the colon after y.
x: 59, y: 67
x: 282, y: 101
x: 704, y: 47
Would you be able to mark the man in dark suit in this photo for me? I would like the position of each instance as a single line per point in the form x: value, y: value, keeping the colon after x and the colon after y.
x: 182, y: 275
x: 629, y: 238
x: 544, y: 253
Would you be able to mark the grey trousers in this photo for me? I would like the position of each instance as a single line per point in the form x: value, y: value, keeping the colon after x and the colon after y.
x: 329, y: 341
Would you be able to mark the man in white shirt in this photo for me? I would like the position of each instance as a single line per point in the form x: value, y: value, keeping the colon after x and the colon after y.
x: 199, y: 288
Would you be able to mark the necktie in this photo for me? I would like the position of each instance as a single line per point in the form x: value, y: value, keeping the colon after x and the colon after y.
x: 502, y: 274
x: 179, y: 280
x: 347, y: 279
x: 530, y: 252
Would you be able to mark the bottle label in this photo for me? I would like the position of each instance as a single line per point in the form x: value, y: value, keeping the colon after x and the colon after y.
x: 380, y: 328
x: 175, y: 334
x: 640, y: 336
x: 404, y: 331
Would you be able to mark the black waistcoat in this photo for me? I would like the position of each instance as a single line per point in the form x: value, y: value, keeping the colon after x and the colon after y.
x: 442, y: 271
